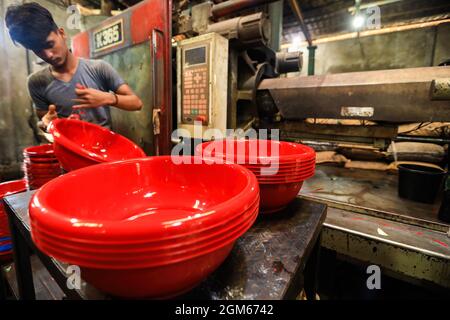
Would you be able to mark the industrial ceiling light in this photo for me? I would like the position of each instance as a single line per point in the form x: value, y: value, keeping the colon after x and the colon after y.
x: 295, y: 44
x: 358, y: 21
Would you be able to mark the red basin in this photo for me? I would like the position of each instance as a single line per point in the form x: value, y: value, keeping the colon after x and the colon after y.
x: 132, y: 260
x: 273, y: 173
x: 158, y: 204
x: 12, y: 187
x: 153, y: 190
x: 167, y: 248
x: 42, y: 151
x: 78, y: 144
x: 40, y: 165
x: 160, y: 282
x: 6, y: 189
x: 286, y: 165
x: 256, y: 151
x: 275, y: 197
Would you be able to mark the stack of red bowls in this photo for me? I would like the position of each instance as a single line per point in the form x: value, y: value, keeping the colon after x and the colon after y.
x: 6, y: 189
x: 40, y: 165
x: 149, y: 227
x: 280, y: 167
x: 79, y: 144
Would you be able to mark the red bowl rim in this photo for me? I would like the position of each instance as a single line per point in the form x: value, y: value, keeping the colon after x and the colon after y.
x: 36, y: 160
x: 72, y: 146
x: 11, y: 187
x: 154, y: 251
x: 180, y: 237
x: 298, y: 164
x: 281, y: 171
x: 113, y: 265
x: 284, y: 181
x: 41, y: 150
x: 223, y: 210
x: 307, y: 155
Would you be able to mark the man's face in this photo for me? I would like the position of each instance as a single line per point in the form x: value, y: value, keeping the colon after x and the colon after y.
x: 54, y: 50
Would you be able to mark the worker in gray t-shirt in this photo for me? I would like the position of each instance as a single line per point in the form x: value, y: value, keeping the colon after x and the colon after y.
x: 70, y: 85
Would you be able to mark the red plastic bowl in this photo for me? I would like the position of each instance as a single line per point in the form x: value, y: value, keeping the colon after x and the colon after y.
x: 293, y: 163
x: 256, y: 151
x: 264, y: 172
x: 49, y: 160
x: 78, y: 144
x: 275, y: 197
x: 161, y: 282
x: 156, y: 198
x: 147, y: 251
x: 150, y: 244
x: 6, y: 189
x: 133, y: 260
x: 46, y: 165
x: 42, y: 151
x: 12, y: 187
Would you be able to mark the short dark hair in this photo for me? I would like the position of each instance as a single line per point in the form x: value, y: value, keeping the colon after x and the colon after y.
x: 29, y: 24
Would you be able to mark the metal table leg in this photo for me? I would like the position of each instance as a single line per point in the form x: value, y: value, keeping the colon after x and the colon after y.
x: 22, y: 263
x: 2, y: 285
x: 312, y: 271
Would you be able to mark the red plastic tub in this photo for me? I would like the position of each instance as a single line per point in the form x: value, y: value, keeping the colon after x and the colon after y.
x: 78, y: 144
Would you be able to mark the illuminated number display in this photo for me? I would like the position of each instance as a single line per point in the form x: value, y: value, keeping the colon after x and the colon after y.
x: 109, y: 36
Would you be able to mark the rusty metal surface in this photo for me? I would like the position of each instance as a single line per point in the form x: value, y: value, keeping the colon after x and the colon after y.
x: 413, y: 254
x: 370, y: 192
x: 265, y: 263
x: 429, y: 242
x: 440, y: 89
x: 401, y: 95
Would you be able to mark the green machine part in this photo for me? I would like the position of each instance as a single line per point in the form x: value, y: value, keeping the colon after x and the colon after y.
x: 134, y: 64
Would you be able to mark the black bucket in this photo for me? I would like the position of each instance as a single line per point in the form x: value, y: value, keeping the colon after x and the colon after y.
x: 419, y: 183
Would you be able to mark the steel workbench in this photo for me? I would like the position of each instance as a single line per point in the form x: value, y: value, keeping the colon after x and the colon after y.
x: 275, y: 259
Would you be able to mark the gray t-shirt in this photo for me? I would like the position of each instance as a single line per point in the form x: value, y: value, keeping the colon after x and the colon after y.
x: 45, y: 89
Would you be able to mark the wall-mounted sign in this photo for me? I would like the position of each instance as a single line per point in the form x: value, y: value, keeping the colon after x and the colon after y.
x: 108, y: 36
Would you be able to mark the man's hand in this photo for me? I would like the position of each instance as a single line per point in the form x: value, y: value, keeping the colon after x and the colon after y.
x: 50, y: 115
x: 92, y: 98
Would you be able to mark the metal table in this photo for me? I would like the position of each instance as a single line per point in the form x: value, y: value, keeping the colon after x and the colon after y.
x: 368, y: 222
x: 275, y: 259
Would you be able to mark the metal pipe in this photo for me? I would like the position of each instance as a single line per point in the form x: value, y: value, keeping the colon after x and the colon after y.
x: 233, y: 6
x: 396, y: 95
x: 311, y: 60
x: 298, y: 12
x: 250, y: 30
x: 276, y: 19
x: 422, y: 139
x: 289, y: 61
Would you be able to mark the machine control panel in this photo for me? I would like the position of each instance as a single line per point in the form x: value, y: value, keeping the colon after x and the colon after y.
x: 202, y: 85
x: 195, y: 85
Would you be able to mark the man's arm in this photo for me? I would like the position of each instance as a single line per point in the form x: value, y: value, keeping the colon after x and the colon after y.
x: 124, y: 98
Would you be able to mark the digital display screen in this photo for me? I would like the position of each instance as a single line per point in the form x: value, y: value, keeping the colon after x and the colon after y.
x: 195, y: 56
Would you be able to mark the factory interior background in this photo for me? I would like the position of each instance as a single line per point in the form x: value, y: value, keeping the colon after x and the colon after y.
x: 388, y: 65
